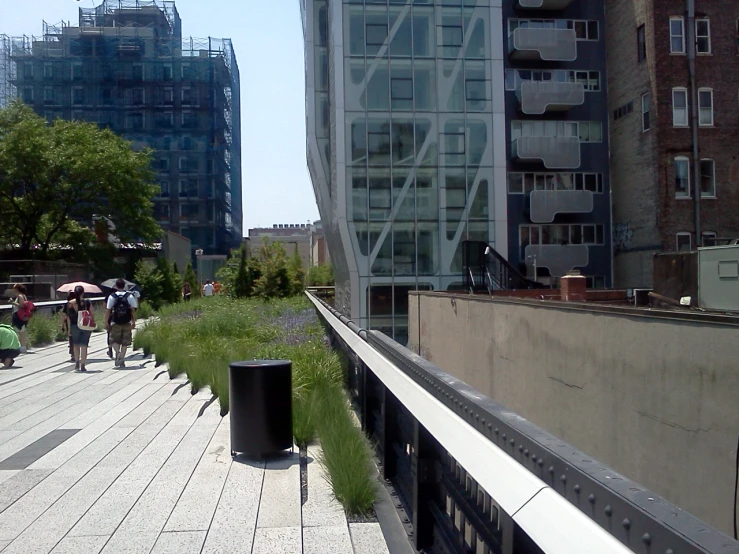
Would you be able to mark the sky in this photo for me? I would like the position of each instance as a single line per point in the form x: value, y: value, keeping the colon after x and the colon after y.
x: 268, y: 40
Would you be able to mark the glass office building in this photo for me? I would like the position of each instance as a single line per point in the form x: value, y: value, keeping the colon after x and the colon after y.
x: 423, y: 116
x: 401, y: 118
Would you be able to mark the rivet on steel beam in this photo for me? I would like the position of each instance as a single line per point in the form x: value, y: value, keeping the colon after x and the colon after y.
x: 563, y: 478
x: 626, y: 523
x: 504, y: 436
x: 520, y: 447
x: 551, y: 470
x: 512, y: 442
x: 669, y: 551
x: 608, y: 510
x: 646, y: 538
x: 577, y: 489
x: 591, y: 498
x: 533, y: 458
x: 541, y: 462
x: 490, y: 426
x: 497, y: 430
x: 526, y: 452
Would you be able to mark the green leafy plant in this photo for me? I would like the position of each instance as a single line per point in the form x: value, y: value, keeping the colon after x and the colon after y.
x: 320, y: 276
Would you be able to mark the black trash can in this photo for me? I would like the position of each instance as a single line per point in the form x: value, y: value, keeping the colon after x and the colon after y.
x: 260, y: 406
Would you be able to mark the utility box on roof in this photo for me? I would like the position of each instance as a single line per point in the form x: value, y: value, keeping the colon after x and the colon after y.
x: 718, y: 277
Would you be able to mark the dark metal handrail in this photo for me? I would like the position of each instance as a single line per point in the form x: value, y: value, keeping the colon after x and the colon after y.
x: 486, y: 269
x: 449, y: 511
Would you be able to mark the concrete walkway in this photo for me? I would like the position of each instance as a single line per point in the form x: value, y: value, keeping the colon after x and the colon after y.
x: 129, y: 461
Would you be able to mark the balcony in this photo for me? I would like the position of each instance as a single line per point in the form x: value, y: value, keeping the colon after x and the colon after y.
x: 558, y: 258
x: 546, y: 204
x: 554, y: 152
x: 537, y: 97
x: 543, y: 4
x: 550, y: 45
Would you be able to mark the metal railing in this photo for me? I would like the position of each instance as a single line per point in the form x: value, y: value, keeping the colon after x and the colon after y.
x: 470, y: 476
x: 51, y: 306
x: 486, y: 269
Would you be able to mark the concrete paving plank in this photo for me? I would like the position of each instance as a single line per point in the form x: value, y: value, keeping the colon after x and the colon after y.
x: 6, y: 474
x: 137, y: 544
x: 80, y: 545
x: 319, y: 540
x: 113, y: 506
x: 18, y: 485
x: 37, y: 449
x: 195, y: 508
x: 280, y: 503
x: 232, y: 529
x: 188, y: 542
x: 322, y: 508
x: 55, y: 522
x: 367, y: 538
x: 286, y: 540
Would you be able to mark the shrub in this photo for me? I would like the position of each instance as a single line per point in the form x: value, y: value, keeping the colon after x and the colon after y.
x: 145, y: 310
x: 43, y: 329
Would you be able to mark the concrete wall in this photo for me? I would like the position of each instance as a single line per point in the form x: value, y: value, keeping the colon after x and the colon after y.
x: 655, y: 398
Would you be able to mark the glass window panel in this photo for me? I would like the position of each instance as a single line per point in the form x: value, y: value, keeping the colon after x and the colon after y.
x: 424, y: 73
x: 404, y: 249
x: 477, y: 142
x: 428, y: 249
x: 480, y: 208
x: 682, y: 177
x: 378, y: 142
x: 423, y: 37
x: 451, y: 77
x: 515, y: 183
x: 402, y: 42
x: 378, y: 87
x: 708, y: 178
x: 355, y: 29
x: 383, y: 264
x: 476, y: 44
x: 359, y: 199
x: 404, y: 209
x: 402, y: 142
x: 426, y: 145
x: 427, y: 194
x: 376, y: 34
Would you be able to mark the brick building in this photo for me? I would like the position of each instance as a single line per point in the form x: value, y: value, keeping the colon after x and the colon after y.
x: 655, y: 133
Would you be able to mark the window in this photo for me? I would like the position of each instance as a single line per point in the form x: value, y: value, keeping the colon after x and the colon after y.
x: 28, y: 95
x: 476, y: 90
x: 167, y: 72
x: 451, y: 35
x: 708, y: 178
x: 453, y: 143
x: 186, y: 95
x: 708, y: 238
x: 165, y: 120
x: 137, y: 96
x: 48, y: 71
x: 645, y: 112
x: 703, y: 36
x: 164, y: 188
x: 641, y: 44
x: 684, y: 242
x: 48, y: 95
x: 135, y: 120
x: 401, y: 89
x: 137, y: 72
x: 163, y: 165
x: 78, y: 96
x: 680, y: 107
x: 705, y: 107
x: 376, y: 34
x: 76, y: 71
x: 682, y: 177
x: 185, y: 71
x: 28, y: 70
x: 677, y: 35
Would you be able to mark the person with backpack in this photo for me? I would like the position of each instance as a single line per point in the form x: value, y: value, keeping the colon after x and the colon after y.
x: 120, y: 319
x: 78, y: 309
x: 22, y: 313
x: 10, y: 345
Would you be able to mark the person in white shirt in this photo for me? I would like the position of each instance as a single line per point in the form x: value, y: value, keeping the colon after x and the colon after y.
x: 120, y: 320
x: 208, y: 289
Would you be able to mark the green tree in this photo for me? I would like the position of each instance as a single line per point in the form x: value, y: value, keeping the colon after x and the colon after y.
x: 274, y: 281
x: 243, y: 283
x: 150, y: 280
x: 296, y: 273
x: 191, y: 278
x: 54, y: 175
x: 170, y: 282
x: 320, y: 276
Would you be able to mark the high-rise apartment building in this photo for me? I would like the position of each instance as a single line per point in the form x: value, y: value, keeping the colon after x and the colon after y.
x: 127, y: 67
x: 434, y: 122
x: 673, y: 83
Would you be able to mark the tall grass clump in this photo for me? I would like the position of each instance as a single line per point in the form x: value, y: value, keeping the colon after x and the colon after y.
x: 43, y: 329
x: 145, y: 310
x: 200, y: 338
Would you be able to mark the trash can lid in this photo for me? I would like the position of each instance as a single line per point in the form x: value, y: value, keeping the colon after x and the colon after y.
x: 259, y: 363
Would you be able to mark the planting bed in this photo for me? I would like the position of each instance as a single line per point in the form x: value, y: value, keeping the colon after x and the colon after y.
x: 202, y: 337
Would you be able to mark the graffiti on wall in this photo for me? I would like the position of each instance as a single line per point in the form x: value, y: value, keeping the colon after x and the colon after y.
x: 622, y: 236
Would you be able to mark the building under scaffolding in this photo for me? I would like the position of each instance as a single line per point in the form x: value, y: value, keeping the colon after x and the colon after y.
x: 127, y: 67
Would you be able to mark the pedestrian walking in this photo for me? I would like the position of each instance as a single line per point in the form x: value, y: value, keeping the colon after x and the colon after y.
x: 10, y: 345
x: 78, y: 308
x: 67, y: 327
x: 120, y: 319
x: 208, y: 289
x: 19, y: 321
